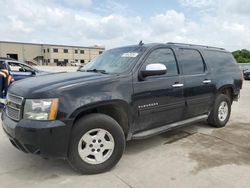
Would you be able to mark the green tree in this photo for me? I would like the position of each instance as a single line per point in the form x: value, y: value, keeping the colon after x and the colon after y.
x: 242, y: 56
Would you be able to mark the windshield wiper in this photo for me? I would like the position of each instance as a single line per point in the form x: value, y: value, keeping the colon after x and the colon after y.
x: 96, y: 70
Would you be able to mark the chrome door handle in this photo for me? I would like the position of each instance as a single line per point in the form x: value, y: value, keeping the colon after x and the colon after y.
x: 206, y: 81
x: 178, y: 85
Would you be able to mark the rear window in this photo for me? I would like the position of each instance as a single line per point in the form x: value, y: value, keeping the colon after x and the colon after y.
x: 191, y: 62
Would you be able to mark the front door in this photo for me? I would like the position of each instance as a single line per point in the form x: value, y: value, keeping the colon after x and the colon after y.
x: 158, y: 100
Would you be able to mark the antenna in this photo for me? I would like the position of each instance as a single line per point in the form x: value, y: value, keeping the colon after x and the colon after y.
x: 141, y: 43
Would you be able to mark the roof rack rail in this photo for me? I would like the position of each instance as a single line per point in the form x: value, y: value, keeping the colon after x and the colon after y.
x: 184, y: 44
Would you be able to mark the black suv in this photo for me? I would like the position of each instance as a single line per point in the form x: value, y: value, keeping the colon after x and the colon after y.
x: 126, y: 93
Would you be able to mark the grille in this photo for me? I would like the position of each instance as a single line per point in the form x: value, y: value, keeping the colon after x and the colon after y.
x: 14, y: 106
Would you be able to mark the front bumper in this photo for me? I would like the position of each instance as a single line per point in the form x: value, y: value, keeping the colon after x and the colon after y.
x: 48, y: 138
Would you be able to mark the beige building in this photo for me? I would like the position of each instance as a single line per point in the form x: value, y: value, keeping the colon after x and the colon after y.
x: 48, y: 54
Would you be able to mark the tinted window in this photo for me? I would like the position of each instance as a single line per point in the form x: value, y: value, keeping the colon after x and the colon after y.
x: 219, y: 61
x: 191, y: 62
x: 164, y: 56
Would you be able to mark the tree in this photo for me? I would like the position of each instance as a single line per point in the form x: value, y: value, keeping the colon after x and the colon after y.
x: 242, y: 56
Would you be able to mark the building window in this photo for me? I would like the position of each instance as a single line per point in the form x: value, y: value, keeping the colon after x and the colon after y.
x: 82, y: 51
x: 55, y: 50
x: 66, y: 60
x: 48, y: 50
x: 48, y: 60
x: 82, y: 61
x: 76, y: 51
x: 55, y: 60
x: 65, y: 50
x: 100, y: 52
x: 44, y: 51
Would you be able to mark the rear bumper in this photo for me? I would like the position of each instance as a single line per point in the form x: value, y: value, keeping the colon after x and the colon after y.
x: 47, y: 138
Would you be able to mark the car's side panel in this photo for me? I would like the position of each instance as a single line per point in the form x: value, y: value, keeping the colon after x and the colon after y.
x: 224, y: 70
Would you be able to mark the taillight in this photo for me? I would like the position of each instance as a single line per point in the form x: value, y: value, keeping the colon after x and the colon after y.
x: 242, y: 76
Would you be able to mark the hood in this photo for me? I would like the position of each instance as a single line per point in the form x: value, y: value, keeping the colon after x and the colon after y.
x: 50, y: 82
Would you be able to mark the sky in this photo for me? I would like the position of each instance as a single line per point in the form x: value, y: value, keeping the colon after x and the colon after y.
x: 113, y: 23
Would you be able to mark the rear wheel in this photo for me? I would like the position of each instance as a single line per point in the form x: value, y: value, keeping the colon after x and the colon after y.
x: 97, y: 144
x: 221, y: 111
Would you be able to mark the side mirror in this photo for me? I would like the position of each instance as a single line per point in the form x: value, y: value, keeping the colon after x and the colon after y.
x: 155, y: 69
x: 79, y: 68
x: 33, y: 72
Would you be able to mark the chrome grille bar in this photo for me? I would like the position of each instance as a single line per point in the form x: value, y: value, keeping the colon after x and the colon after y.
x: 14, y: 106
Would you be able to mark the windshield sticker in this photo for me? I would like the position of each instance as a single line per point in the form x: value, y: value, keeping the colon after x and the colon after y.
x: 130, y: 54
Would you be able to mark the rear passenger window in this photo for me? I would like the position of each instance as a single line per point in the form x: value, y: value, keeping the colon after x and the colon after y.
x: 191, y: 62
x: 164, y: 56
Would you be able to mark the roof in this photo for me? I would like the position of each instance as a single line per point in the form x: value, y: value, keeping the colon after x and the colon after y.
x: 7, y: 58
x: 182, y: 45
x: 195, y: 46
x: 26, y: 43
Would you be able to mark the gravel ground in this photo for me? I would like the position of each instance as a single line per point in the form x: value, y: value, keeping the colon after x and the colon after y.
x: 194, y: 156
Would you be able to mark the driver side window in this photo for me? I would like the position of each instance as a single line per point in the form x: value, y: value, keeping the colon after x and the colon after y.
x: 163, y: 56
x: 16, y: 67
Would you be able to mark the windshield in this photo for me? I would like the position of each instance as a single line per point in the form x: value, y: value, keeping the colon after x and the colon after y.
x: 117, y: 60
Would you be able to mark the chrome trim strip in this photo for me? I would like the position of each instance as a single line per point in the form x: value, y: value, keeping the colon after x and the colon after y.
x: 18, y: 115
x: 12, y: 95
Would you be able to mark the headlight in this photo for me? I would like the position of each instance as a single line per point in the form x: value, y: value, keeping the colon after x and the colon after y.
x: 40, y: 109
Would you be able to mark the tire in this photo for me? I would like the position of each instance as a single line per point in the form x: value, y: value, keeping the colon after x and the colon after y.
x: 217, y: 119
x: 87, y: 136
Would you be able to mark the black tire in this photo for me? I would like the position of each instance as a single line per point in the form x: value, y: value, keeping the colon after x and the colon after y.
x: 213, y: 118
x: 85, y: 124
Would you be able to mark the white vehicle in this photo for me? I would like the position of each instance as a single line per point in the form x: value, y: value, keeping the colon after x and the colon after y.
x: 75, y: 64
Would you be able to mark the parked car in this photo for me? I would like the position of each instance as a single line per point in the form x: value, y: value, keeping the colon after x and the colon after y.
x: 20, y: 70
x: 61, y: 63
x: 126, y: 93
x: 246, y: 73
x: 76, y: 64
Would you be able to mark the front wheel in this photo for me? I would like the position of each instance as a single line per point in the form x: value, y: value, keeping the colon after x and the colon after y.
x: 97, y: 144
x: 221, y: 111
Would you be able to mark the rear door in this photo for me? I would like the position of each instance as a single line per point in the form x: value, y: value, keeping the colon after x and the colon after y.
x: 199, y: 86
x: 158, y: 100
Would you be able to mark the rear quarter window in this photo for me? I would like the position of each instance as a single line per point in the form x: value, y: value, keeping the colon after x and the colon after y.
x: 219, y: 61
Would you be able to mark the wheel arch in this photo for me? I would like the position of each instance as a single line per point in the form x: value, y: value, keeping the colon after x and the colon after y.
x: 117, y: 109
x: 228, y: 89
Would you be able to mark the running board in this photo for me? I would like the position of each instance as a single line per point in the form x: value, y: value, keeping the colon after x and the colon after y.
x: 158, y: 130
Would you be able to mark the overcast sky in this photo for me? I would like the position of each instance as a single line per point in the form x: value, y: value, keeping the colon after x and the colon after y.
x: 222, y: 23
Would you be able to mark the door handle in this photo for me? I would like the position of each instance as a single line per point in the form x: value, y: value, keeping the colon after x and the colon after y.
x: 178, y: 85
x: 206, y: 81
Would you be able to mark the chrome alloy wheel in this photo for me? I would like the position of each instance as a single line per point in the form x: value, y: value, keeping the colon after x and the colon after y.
x: 96, y: 146
x: 223, y: 111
